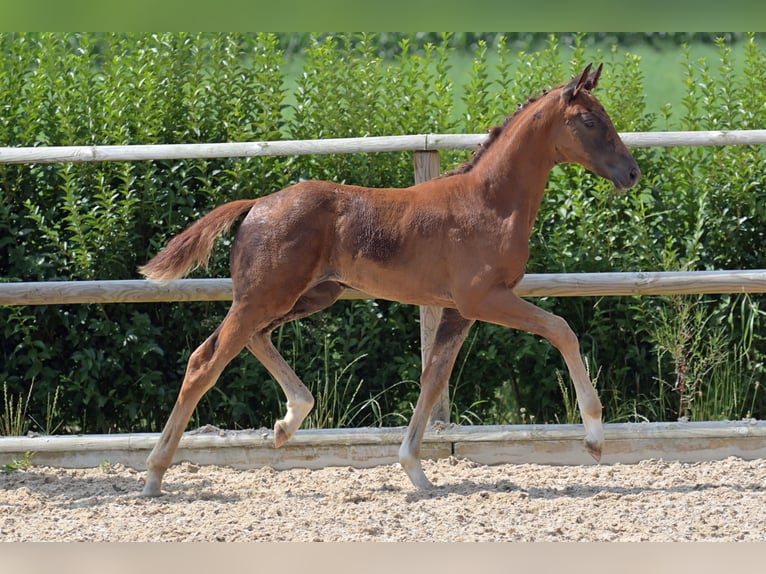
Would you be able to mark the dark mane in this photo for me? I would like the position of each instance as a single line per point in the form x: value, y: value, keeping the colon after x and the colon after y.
x: 494, y: 133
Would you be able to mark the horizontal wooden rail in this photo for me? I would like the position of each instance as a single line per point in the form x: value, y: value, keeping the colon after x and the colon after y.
x: 422, y: 142
x: 533, y: 285
x: 626, y: 443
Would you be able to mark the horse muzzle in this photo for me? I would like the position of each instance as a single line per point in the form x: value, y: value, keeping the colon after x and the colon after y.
x: 626, y: 178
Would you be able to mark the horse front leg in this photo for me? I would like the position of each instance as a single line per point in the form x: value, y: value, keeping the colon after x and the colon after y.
x: 450, y: 334
x: 503, y: 307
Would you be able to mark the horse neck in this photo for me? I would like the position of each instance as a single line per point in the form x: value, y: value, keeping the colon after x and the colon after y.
x: 515, y: 171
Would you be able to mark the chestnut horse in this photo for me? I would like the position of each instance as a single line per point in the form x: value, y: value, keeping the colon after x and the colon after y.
x: 460, y: 242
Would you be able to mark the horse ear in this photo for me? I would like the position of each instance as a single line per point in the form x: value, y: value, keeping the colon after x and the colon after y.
x: 574, y: 87
x: 593, y: 80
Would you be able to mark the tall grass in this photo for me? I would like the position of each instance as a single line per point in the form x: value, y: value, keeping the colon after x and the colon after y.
x: 13, y: 418
x: 335, y: 394
x: 715, y: 374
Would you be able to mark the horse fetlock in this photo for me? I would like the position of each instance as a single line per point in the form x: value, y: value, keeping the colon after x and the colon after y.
x: 300, y: 405
x: 297, y: 410
x: 410, y: 463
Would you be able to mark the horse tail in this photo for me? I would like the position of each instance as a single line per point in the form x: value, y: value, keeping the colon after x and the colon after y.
x: 192, y: 247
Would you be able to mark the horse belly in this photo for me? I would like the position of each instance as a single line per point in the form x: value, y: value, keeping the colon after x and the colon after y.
x: 419, y: 284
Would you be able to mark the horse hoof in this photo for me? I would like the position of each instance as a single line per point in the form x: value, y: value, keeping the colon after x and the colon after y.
x: 594, y: 449
x: 280, y: 434
x: 151, y: 490
x: 152, y: 486
x: 416, y: 475
x: 151, y: 493
x: 424, y: 485
x: 419, y: 481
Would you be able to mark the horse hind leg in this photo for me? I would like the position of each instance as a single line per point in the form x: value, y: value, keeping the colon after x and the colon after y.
x: 450, y: 334
x: 202, y: 371
x: 300, y: 401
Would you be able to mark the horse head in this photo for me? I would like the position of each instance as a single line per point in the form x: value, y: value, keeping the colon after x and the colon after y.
x: 588, y: 137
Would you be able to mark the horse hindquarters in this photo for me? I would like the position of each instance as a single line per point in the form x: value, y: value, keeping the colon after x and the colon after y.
x: 275, y: 280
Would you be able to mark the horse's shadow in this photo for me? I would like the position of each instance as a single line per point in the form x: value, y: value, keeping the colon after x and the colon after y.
x: 574, y: 490
x: 73, y: 492
x: 90, y: 491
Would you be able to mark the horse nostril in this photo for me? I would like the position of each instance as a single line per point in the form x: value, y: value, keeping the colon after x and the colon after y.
x: 635, y: 173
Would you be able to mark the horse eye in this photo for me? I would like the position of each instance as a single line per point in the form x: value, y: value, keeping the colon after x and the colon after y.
x: 588, y: 121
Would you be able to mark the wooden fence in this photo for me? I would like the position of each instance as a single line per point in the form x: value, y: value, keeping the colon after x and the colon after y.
x: 426, y: 165
x: 625, y: 443
x: 423, y: 142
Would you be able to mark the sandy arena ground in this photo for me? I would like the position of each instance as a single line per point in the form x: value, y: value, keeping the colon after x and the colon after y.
x: 651, y: 501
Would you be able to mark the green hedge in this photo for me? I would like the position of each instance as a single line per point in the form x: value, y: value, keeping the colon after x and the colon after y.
x: 114, y: 368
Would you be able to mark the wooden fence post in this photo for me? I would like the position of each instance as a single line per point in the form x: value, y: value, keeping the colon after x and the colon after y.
x: 427, y: 167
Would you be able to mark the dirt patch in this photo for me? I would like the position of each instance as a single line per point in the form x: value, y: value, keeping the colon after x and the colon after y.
x: 652, y: 501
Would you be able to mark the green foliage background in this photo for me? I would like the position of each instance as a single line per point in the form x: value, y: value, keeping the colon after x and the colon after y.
x: 117, y: 368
